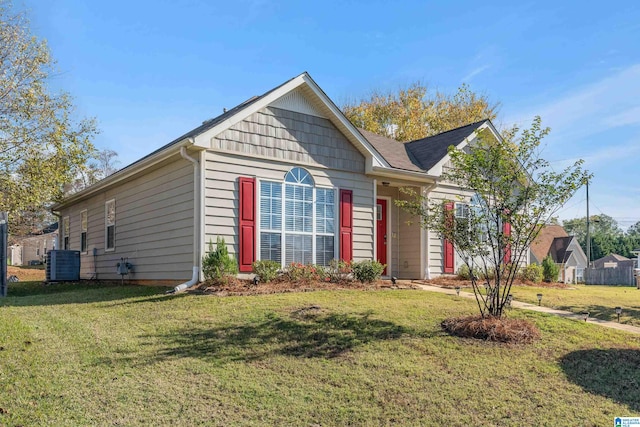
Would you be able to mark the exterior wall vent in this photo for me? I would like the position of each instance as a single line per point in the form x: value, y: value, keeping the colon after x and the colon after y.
x: 63, y: 266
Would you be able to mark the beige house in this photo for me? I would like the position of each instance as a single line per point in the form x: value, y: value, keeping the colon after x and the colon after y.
x: 282, y: 176
x: 33, y: 249
x: 565, y: 251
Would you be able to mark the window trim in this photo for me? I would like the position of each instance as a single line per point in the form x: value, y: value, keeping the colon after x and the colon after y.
x: 107, y: 225
x: 66, y: 233
x: 283, y: 233
x: 84, y: 226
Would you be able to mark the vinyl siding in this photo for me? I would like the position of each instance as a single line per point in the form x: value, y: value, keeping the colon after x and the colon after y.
x: 404, y: 236
x: 154, y: 225
x: 440, y: 194
x: 221, y: 201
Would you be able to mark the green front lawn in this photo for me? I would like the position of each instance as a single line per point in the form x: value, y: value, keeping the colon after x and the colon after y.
x: 110, y: 355
x: 599, y: 301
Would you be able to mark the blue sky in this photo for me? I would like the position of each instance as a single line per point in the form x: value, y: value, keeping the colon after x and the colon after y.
x: 150, y: 71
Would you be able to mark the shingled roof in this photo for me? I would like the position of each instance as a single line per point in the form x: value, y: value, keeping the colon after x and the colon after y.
x: 394, y: 152
x: 430, y: 150
x: 543, y: 242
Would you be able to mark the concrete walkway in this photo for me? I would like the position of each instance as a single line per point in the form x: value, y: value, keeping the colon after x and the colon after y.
x: 540, y: 309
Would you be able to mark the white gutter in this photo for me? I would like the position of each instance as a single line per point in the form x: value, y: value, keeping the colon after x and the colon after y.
x: 195, y: 276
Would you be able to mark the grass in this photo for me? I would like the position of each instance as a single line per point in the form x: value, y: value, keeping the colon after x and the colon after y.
x: 112, y: 355
x: 599, y: 301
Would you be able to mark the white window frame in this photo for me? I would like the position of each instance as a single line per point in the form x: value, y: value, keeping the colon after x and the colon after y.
x: 66, y: 232
x: 107, y: 224
x: 84, y: 225
x: 283, y: 233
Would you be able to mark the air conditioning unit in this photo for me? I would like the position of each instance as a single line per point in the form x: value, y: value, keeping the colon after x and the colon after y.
x: 63, y: 266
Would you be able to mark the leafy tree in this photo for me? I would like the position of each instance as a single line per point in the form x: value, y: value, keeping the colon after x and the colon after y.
x: 511, y: 184
x: 414, y: 112
x: 606, y: 236
x: 42, y: 147
x: 103, y: 166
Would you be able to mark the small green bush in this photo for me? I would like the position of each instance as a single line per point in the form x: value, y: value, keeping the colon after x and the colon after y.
x: 465, y: 274
x: 532, y: 273
x: 550, y: 269
x: 367, y: 270
x: 217, y: 264
x: 266, y: 270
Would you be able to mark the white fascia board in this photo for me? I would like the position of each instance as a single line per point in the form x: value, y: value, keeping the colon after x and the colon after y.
x: 124, y: 174
x: 401, y: 174
x: 204, y: 139
x: 436, y: 170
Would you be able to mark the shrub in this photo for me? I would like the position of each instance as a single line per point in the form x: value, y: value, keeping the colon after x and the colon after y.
x: 217, y: 264
x: 532, y: 273
x: 465, y: 274
x: 367, y: 270
x: 266, y: 270
x: 297, y: 272
x: 339, y: 271
x: 550, y: 269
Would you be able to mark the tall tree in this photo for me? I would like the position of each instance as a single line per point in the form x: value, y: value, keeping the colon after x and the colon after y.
x: 414, y: 112
x: 514, y: 192
x: 103, y: 166
x: 606, y: 235
x: 42, y: 146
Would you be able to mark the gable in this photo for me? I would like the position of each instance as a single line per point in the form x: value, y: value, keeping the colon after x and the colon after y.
x: 295, y: 137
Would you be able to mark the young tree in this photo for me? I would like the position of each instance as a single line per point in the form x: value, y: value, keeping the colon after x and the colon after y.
x: 514, y: 193
x: 414, y: 113
x: 41, y: 145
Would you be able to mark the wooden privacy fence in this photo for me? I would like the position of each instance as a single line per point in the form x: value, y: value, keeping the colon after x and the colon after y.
x: 610, y: 276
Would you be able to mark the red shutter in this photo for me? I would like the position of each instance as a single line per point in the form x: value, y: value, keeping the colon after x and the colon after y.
x: 247, y: 223
x: 346, y: 225
x: 448, y: 263
x: 506, y: 230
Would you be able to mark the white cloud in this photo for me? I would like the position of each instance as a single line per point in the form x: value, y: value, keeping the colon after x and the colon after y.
x: 475, y: 72
x: 628, y: 117
x: 594, y: 108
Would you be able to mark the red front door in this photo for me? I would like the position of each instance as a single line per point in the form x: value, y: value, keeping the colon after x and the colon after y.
x: 381, y: 232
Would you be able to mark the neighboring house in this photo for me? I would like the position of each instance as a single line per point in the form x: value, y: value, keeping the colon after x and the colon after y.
x: 564, y: 250
x: 614, y: 261
x: 283, y: 176
x: 33, y: 249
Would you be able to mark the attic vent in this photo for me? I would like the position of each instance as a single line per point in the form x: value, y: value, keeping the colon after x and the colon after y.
x: 208, y: 121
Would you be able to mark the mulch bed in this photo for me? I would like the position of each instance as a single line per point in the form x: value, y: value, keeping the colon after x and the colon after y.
x: 503, y: 330
x: 453, y: 281
x: 246, y: 287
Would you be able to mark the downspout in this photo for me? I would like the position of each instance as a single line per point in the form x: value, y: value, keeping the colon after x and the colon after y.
x: 195, y: 276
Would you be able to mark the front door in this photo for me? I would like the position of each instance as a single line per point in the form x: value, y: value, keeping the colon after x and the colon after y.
x: 381, y: 232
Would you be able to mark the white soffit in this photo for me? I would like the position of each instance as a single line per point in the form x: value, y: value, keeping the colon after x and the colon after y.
x: 296, y: 101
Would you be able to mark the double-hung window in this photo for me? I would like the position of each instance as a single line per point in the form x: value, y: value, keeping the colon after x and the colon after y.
x: 110, y: 225
x: 297, y: 220
x: 83, y: 231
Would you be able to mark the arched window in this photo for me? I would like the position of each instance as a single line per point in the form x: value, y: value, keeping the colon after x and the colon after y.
x: 297, y: 222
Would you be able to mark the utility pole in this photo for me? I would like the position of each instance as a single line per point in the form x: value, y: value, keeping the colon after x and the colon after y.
x: 588, y: 229
x: 4, y: 231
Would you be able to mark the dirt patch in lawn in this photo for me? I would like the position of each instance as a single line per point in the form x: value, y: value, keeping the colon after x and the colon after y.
x: 246, y: 287
x: 26, y: 274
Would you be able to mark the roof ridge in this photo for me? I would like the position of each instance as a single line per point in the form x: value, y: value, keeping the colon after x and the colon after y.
x: 447, y: 131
